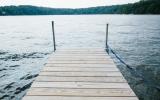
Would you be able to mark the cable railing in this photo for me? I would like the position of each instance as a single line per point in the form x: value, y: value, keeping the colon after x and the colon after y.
x: 132, y: 70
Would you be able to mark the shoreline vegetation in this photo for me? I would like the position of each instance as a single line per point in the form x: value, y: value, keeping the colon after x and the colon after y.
x: 142, y: 7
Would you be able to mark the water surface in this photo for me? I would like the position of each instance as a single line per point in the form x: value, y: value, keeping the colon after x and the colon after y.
x: 26, y: 42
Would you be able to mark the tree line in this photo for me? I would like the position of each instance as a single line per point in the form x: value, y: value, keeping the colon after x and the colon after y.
x: 142, y: 7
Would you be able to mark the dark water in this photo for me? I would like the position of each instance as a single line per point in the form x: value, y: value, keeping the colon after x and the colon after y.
x: 26, y: 42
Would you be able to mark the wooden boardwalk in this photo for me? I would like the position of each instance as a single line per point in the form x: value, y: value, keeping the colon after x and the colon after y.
x: 80, y: 74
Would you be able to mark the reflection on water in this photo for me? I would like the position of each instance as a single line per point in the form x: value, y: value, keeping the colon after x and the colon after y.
x: 26, y: 42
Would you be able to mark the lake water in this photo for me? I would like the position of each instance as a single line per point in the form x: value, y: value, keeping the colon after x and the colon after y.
x: 26, y: 42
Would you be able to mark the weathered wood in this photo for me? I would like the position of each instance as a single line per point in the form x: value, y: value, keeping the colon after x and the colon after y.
x: 86, y: 85
x: 80, y: 92
x: 79, y: 54
x: 79, y: 59
x: 87, y: 57
x: 80, y: 74
x: 80, y: 65
x: 81, y: 69
x: 80, y: 79
x: 82, y: 49
x: 76, y: 98
x: 81, y: 62
x: 82, y: 52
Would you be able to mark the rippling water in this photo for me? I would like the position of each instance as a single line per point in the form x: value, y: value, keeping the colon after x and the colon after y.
x: 26, y: 42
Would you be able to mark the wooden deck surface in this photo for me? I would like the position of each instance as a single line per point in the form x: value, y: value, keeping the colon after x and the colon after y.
x: 80, y: 74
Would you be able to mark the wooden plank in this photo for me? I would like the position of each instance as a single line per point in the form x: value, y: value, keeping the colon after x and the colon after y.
x: 90, y: 52
x: 81, y: 92
x: 80, y: 65
x: 78, y: 55
x: 81, y: 53
x: 82, y: 49
x: 81, y: 69
x: 81, y: 62
x: 76, y: 98
x: 85, y: 85
x: 80, y: 79
x: 81, y: 74
x: 79, y: 59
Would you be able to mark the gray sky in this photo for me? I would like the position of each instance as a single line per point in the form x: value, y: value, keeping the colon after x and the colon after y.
x: 65, y: 3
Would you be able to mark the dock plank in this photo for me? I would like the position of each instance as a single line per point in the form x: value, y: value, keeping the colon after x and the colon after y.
x: 76, y: 98
x: 79, y: 65
x: 80, y: 74
x: 79, y: 69
x: 86, y: 85
x: 80, y: 92
x: 80, y: 79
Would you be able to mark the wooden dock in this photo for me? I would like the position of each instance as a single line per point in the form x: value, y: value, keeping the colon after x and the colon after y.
x: 80, y: 74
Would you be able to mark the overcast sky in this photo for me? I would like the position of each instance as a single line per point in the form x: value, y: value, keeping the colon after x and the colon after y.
x: 65, y: 3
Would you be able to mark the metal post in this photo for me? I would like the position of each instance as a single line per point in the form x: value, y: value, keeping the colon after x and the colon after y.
x: 54, y: 41
x: 107, y: 49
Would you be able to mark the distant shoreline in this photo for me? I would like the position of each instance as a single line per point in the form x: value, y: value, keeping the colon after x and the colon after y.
x: 138, y: 8
x: 86, y: 15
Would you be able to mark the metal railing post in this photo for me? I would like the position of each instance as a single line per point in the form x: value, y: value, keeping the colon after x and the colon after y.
x: 107, y: 49
x: 54, y: 41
